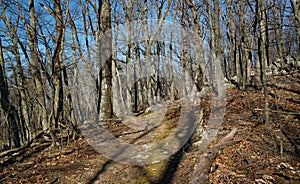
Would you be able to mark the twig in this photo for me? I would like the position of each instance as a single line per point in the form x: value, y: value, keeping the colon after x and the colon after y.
x: 112, y: 120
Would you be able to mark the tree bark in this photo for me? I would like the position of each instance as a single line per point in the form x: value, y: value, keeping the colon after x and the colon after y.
x: 200, y: 61
x: 262, y: 55
x: 128, y: 14
x: 31, y: 34
x: 215, y: 33
x: 57, y: 64
x: 296, y: 11
x: 105, y: 45
x: 9, y: 110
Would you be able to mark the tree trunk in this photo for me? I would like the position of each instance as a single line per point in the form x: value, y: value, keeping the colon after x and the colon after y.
x: 296, y: 11
x: 278, y: 30
x: 57, y: 63
x: 23, y: 97
x: 243, y: 46
x: 186, y: 88
x: 105, y: 46
x: 216, y: 36
x: 171, y: 68
x: 215, y: 33
x: 262, y: 55
x: 9, y: 110
x: 231, y: 39
x: 31, y: 34
x: 200, y: 61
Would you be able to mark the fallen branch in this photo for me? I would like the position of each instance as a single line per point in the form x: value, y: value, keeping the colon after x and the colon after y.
x: 15, y: 150
x: 284, y: 88
x: 282, y: 112
x: 293, y: 100
x: 112, y: 120
x: 10, y: 152
x: 202, y: 168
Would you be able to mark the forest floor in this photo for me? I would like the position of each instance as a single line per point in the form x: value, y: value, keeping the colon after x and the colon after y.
x: 249, y: 153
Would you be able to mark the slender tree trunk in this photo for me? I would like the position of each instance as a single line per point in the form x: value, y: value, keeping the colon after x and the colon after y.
x: 139, y: 83
x: 231, y: 39
x: 200, y: 61
x: 171, y: 69
x: 9, y: 110
x: 267, y: 45
x: 23, y: 97
x: 215, y: 33
x: 296, y: 11
x: 127, y: 7
x: 216, y: 36
x: 262, y: 55
x: 243, y: 46
x: 128, y: 65
x: 278, y: 30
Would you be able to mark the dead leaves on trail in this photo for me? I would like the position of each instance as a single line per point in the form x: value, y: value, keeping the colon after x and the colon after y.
x: 256, y: 158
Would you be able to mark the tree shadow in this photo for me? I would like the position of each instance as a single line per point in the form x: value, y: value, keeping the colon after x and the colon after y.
x: 177, y: 157
x: 110, y: 161
x: 101, y: 170
x: 174, y: 160
x: 173, y: 164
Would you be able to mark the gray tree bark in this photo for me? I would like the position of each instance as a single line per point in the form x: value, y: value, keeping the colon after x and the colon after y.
x: 262, y: 55
x: 105, y: 45
x: 58, y: 106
